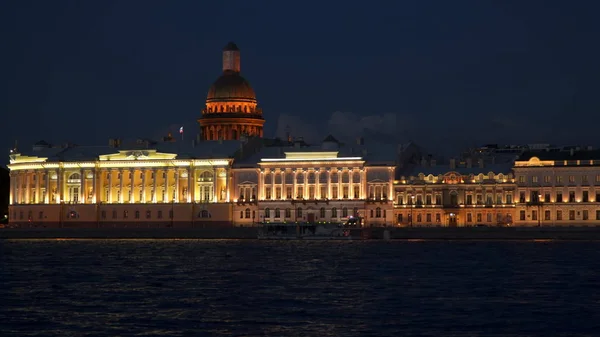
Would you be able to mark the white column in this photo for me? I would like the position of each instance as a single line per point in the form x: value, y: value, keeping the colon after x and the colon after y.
x: 176, y: 194
x: 37, y: 186
x: 340, y: 173
x: 121, y: 182
x: 60, y: 185
x: 11, y: 193
x: 260, y: 176
x: 94, y: 196
x: 305, y: 188
x: 110, y: 183
x: 28, y: 188
x: 329, y: 184
x: 144, y: 172
x: 295, y: 174
x: 155, y: 178
x: 318, y: 184
x: 228, y: 183
x: 351, y: 186
x: 189, y: 185
x: 363, y: 186
x: 167, y: 187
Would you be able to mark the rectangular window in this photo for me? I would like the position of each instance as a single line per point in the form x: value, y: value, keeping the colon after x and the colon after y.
x: 546, y: 215
x: 585, y: 215
x: 534, y: 215
x: 288, y: 192
x: 345, y: 192
x: 469, y: 217
x: 559, y: 179
x: 299, y: 193
x: 159, y: 214
x: 522, y: 179
x: 469, y: 199
x: 571, y: 179
x: 428, y: 217
x: 334, y: 192
x: 489, y: 217
x: 148, y: 214
x: 268, y: 193
x: 114, y: 214
x: 311, y: 192
x: 499, y: 199
x: 522, y: 215
x: 428, y: 199
x: 438, y: 199
x: 478, y: 217
x: 559, y: 197
x: 585, y: 196
x: 438, y: 218
x: 547, y: 197
x: 547, y: 179
x: 137, y: 214
x: 571, y: 196
x: 288, y: 213
x: 278, y: 193
x: 125, y: 214
x: 571, y: 215
x: 558, y: 215
x: 356, y: 191
x: 597, y: 214
x: 534, y: 179
x: 509, y: 199
x: 584, y: 179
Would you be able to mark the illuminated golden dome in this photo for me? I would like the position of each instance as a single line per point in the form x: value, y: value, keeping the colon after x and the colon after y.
x: 231, y: 87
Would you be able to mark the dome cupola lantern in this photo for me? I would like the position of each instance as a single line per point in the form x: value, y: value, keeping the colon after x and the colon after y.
x: 231, y: 109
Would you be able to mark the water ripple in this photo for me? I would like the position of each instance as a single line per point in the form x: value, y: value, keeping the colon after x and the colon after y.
x: 251, y: 288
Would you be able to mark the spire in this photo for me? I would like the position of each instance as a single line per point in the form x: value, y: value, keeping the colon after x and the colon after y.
x: 231, y: 58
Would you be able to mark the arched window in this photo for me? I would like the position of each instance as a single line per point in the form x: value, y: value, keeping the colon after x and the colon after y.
x: 277, y: 213
x: 322, y: 212
x: 267, y: 212
x: 288, y: 213
x: 344, y: 212
x: 299, y: 212
x: 334, y: 212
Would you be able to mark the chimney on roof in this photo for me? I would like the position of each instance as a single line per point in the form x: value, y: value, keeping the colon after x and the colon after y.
x: 452, y: 163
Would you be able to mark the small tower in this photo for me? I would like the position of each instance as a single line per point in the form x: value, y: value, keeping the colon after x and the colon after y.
x: 231, y: 58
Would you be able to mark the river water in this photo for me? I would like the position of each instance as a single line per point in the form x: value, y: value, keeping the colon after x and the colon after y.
x: 260, y: 288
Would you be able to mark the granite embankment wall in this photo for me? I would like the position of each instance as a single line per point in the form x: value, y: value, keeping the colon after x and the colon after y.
x: 515, y: 233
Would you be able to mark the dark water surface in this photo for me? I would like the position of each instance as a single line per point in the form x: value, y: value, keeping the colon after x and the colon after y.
x: 252, y: 288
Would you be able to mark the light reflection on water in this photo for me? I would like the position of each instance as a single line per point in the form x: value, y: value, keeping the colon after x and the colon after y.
x: 238, y: 287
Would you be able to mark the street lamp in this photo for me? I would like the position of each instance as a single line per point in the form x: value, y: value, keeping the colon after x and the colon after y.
x: 412, y: 201
x: 539, y: 210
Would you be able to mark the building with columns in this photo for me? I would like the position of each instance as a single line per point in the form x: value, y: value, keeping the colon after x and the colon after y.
x: 456, y: 194
x: 300, y: 183
x: 558, y: 187
x: 231, y: 110
x: 137, y: 185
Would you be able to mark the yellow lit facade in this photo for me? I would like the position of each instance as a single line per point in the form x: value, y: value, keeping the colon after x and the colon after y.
x: 558, y: 189
x: 128, y: 187
x: 455, y: 197
x: 315, y: 186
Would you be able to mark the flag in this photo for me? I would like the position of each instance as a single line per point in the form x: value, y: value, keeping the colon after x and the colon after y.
x: 181, y: 129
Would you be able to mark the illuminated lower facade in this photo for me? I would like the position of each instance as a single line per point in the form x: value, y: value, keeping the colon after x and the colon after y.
x: 558, y: 189
x: 119, y: 189
x: 451, y: 198
x: 313, y: 186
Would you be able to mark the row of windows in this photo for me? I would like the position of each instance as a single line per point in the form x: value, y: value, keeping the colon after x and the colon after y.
x: 75, y: 215
x: 311, y: 177
x: 535, y: 196
x: 478, y: 217
x: 276, y: 213
x: 559, y: 215
x: 478, y: 200
x: 558, y: 179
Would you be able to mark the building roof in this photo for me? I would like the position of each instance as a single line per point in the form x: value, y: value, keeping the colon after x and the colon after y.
x: 561, y: 155
x: 442, y: 169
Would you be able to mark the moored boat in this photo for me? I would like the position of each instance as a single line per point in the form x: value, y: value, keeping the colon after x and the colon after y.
x: 310, y: 231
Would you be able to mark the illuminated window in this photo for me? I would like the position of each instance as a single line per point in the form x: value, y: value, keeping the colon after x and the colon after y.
x: 247, y: 211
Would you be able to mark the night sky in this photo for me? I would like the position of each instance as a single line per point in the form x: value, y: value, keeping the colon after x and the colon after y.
x: 446, y: 74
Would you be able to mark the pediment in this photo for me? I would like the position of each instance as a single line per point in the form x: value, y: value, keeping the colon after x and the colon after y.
x: 145, y: 154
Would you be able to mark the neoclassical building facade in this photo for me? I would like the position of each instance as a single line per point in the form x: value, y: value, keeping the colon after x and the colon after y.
x: 312, y: 185
x: 558, y: 188
x: 122, y: 187
x: 455, y: 195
